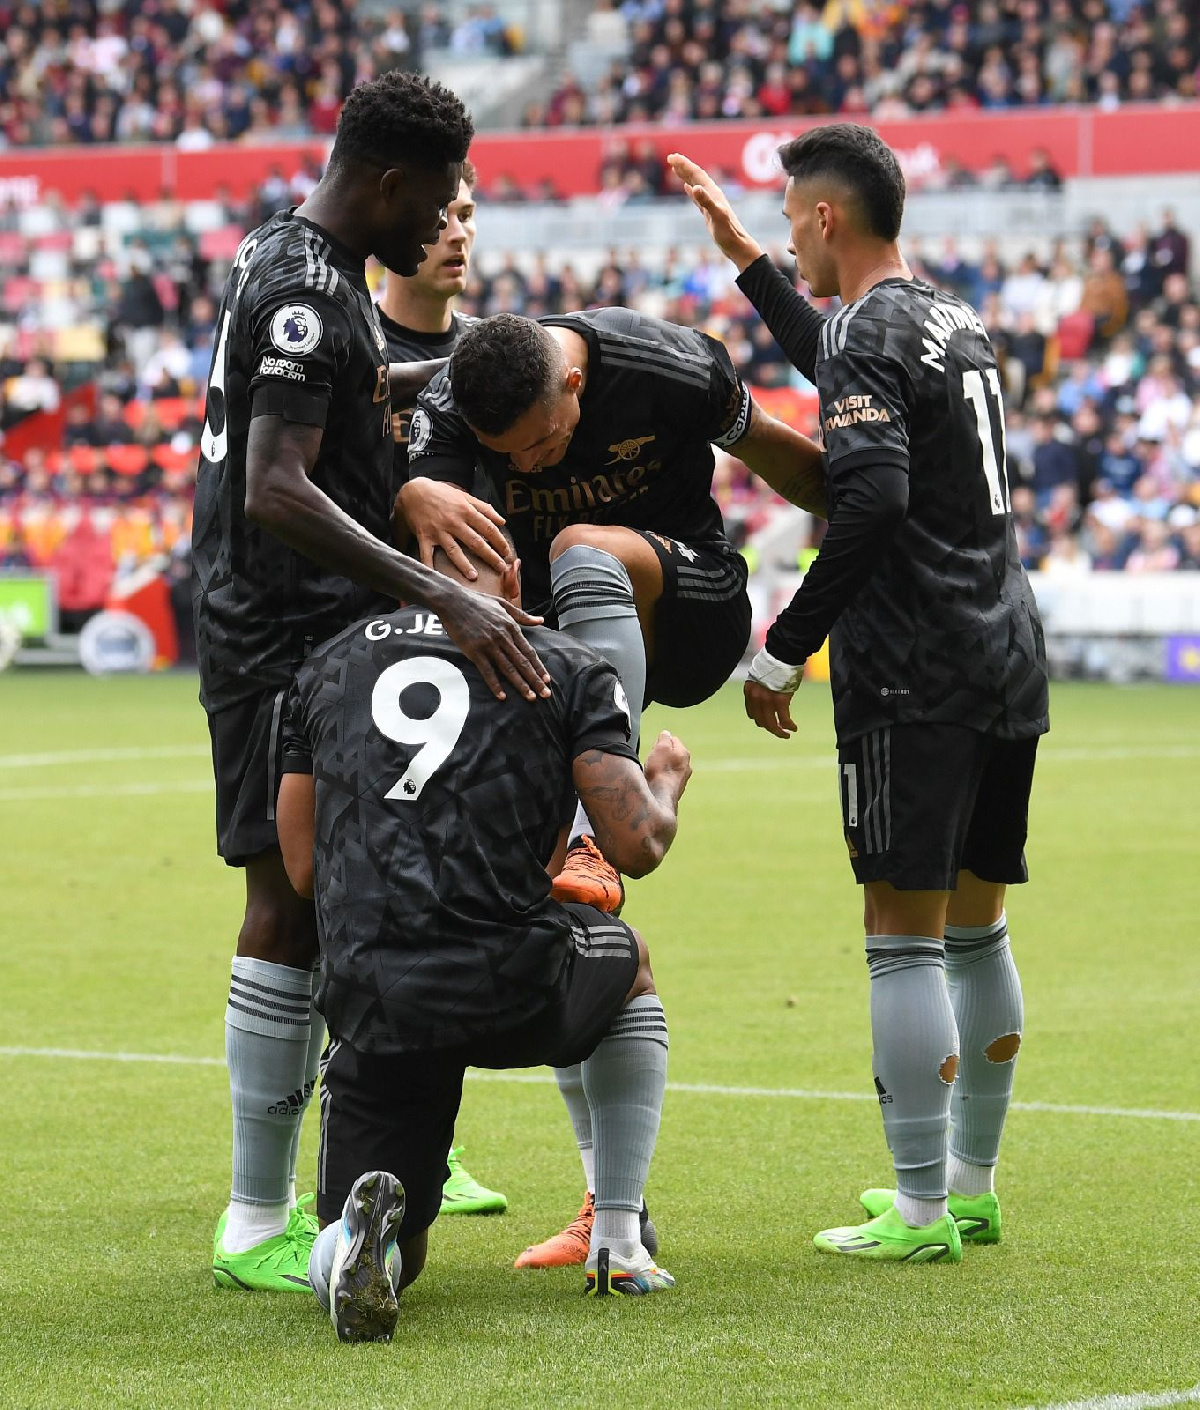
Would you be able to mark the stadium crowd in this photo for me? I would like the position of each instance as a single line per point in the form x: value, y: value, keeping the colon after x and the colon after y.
x: 79, y: 71
x: 109, y: 337
x: 675, y: 60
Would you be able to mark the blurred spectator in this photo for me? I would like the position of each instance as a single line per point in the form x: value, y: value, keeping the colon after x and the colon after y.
x: 1042, y: 175
x: 110, y: 427
x: 1104, y: 295
x: 1170, y: 248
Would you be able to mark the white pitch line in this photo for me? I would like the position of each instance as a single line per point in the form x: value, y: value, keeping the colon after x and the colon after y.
x: 103, y: 756
x: 1045, y: 756
x: 105, y: 790
x: 697, y: 1088
x: 174, y: 1059
x: 815, y: 763
x: 1141, y: 1400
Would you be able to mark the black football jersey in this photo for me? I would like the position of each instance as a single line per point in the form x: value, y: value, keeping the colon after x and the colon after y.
x: 410, y: 345
x: 657, y: 398
x: 438, y: 807
x: 297, y: 336
x: 946, y: 629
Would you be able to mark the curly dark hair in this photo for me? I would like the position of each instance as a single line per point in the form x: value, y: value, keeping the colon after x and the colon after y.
x: 861, y: 159
x: 401, y: 117
x: 500, y: 367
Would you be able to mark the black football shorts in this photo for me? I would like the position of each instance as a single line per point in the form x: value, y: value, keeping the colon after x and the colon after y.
x: 247, y: 741
x: 702, y: 622
x: 920, y: 802
x: 396, y: 1111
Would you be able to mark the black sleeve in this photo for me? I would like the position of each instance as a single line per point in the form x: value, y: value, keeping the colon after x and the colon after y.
x: 440, y: 443
x: 864, y: 390
x: 297, y: 751
x: 597, y: 711
x: 299, y: 347
x: 871, y: 503
x: 723, y: 416
x: 794, y: 323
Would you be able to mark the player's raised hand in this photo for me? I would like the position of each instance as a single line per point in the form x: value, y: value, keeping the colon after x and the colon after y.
x: 447, y: 517
x: 669, y: 759
x: 486, y: 631
x: 729, y: 234
x: 770, y: 709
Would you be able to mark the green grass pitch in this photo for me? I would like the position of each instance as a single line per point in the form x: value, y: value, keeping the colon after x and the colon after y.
x: 118, y: 926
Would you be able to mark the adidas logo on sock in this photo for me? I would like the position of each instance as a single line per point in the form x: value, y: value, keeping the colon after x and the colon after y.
x: 882, y: 1093
x: 292, y: 1105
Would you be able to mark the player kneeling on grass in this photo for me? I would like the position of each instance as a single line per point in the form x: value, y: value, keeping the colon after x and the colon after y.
x: 421, y: 813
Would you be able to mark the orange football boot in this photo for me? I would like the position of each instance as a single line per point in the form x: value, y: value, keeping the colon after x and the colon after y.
x: 567, y: 1248
x: 588, y: 879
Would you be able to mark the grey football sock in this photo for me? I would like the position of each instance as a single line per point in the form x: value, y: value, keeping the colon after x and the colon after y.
x: 320, y: 1264
x: 570, y: 1084
x: 593, y: 597
x: 267, y: 1028
x: 312, y: 1064
x: 915, y: 1057
x: 624, y: 1080
x: 985, y: 991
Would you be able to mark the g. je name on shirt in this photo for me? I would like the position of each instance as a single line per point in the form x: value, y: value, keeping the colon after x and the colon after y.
x: 424, y: 624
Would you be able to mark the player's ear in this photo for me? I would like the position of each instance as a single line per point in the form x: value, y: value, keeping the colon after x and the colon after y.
x: 391, y: 183
x: 574, y: 379
x: 510, y: 582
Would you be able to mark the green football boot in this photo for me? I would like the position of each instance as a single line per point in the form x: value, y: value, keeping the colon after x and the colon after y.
x: 275, y: 1265
x: 303, y: 1217
x: 977, y: 1216
x: 463, y: 1194
x: 887, y: 1238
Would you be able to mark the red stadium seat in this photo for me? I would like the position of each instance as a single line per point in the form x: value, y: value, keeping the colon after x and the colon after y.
x: 59, y: 241
x: 168, y: 459
x: 127, y: 460
x: 133, y: 413
x: 221, y: 244
x: 19, y: 291
x: 1075, y: 335
x: 83, y: 459
x: 173, y: 411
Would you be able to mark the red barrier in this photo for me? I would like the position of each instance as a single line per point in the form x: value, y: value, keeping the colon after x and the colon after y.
x: 1146, y: 139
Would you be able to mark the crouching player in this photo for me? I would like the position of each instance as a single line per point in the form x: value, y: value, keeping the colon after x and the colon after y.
x: 422, y: 813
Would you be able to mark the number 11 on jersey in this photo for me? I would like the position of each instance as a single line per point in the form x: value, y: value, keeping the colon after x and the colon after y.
x: 994, y: 456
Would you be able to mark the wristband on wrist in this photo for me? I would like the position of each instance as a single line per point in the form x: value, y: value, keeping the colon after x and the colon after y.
x: 766, y: 671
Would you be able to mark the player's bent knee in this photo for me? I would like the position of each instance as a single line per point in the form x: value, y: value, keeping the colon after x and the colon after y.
x: 279, y: 933
x: 279, y: 926
x: 644, y: 980
x: 575, y: 536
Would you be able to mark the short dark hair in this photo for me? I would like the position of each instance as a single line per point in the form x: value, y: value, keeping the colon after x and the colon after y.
x: 401, y: 117
x: 500, y: 367
x: 861, y: 159
x: 469, y: 174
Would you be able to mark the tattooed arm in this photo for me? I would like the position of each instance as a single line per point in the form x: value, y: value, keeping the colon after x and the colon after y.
x: 635, y: 814
x: 789, y: 462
